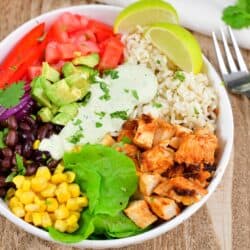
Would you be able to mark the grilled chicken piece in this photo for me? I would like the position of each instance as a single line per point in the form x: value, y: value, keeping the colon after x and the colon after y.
x: 108, y: 140
x: 181, y: 131
x: 130, y: 150
x: 181, y: 190
x: 140, y: 214
x: 174, y: 171
x: 145, y: 132
x: 163, y: 207
x: 157, y: 160
x: 147, y: 183
x: 164, y: 131
x: 175, y: 142
x: 197, y: 148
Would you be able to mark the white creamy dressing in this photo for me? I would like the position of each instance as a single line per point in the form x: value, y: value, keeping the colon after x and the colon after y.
x: 135, y: 85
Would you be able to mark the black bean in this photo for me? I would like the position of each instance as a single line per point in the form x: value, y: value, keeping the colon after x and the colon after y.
x: 27, y: 136
x: 12, y: 123
x: 3, y: 192
x: 58, y: 128
x: 18, y: 149
x: 52, y: 163
x: 43, y: 132
x: 13, y: 161
x: 11, y: 138
x: 27, y: 149
x: 31, y: 169
x: 25, y: 126
x: 2, y: 181
x: 30, y: 121
x: 7, y: 152
x: 6, y: 163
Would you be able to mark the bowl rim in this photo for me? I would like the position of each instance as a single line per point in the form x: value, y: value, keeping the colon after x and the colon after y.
x: 163, y: 228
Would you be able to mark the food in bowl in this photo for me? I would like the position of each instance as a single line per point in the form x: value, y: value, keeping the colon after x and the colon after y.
x: 135, y: 131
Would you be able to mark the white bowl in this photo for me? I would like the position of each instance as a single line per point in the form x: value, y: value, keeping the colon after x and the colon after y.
x: 107, y: 14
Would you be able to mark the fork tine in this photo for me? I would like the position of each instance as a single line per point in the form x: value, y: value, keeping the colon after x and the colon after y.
x: 229, y: 56
x: 223, y: 68
x: 239, y: 56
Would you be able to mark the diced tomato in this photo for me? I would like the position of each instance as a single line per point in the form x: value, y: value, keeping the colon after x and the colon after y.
x: 58, y: 66
x: 88, y: 47
x: 67, y: 50
x: 101, y: 30
x: 58, y: 32
x: 82, y: 35
x: 83, y: 20
x: 112, y: 52
x: 34, y: 71
x: 52, y: 52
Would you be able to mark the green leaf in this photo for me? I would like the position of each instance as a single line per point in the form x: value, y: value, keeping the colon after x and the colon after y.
x: 10, y: 177
x: 3, y: 134
x: 115, y: 170
x: 237, y: 16
x: 10, y: 96
x: 119, y: 114
x: 20, y: 167
x: 179, y: 75
x: 135, y: 94
x: 112, y: 73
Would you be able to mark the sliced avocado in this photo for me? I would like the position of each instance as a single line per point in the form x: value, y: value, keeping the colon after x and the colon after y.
x: 61, y: 119
x: 50, y: 73
x: 45, y: 114
x: 87, y: 70
x: 60, y: 93
x: 68, y: 69
x: 70, y: 109
x: 78, y: 80
x: 90, y: 60
x: 38, y: 91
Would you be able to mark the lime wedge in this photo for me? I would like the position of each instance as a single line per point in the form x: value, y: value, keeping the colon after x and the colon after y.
x: 144, y: 12
x: 178, y: 44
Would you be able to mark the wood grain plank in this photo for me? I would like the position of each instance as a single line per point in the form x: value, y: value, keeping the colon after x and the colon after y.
x: 224, y: 223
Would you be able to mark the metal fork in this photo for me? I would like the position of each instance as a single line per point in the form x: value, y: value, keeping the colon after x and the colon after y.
x: 236, y: 77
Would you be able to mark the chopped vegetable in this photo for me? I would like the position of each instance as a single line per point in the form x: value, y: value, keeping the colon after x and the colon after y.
x: 119, y: 114
x: 238, y: 15
x: 10, y: 96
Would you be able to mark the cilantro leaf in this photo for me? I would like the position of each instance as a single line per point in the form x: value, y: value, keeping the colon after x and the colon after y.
x: 3, y: 134
x: 76, y: 138
x: 157, y: 105
x: 119, y: 114
x: 179, y: 75
x: 20, y: 167
x: 112, y: 73
x: 100, y: 114
x: 10, y: 96
x: 98, y: 125
x: 237, y: 16
x: 135, y: 94
x: 21, y: 170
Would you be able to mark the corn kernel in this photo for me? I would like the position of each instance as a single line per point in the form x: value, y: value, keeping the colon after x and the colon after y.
x: 59, y: 169
x: 18, y: 211
x: 71, y: 220
x: 60, y: 225
x: 18, y: 181
x: 82, y: 201
x: 72, y: 204
x: 39, y: 183
x: 70, y: 176
x: 77, y: 149
x: 76, y: 214
x: 18, y: 193
x: 52, y: 204
x: 43, y: 172
x: 61, y: 212
x: 32, y: 208
x: 53, y: 217
x: 72, y: 228
x: 10, y: 193
x: 62, y: 193
x: 46, y: 220
x: 28, y: 217
x: 74, y: 190
x: 37, y: 219
x: 49, y: 191
x: 59, y: 178
x: 14, y: 202
x: 26, y: 185
x: 27, y: 197
x: 36, y: 144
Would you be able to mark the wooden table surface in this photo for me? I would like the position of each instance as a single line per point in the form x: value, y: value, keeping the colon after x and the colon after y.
x: 223, y: 223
